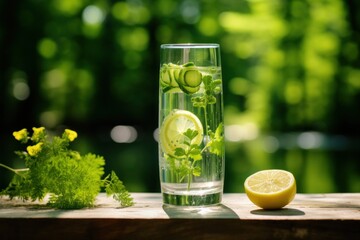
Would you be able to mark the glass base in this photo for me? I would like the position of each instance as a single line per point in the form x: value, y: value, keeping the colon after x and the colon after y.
x: 192, y: 200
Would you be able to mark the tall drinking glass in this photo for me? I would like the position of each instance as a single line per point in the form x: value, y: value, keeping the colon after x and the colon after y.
x: 191, y: 125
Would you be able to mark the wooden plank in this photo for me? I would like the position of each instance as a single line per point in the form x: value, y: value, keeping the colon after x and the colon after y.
x: 41, y: 228
x: 309, y: 216
x: 149, y: 206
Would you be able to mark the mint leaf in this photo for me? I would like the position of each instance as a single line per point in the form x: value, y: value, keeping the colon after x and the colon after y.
x: 190, y: 134
x: 180, y: 152
x: 215, y: 145
x: 196, y: 171
x: 195, y: 153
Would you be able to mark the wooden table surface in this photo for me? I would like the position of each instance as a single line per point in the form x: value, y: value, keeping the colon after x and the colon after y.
x: 309, y: 216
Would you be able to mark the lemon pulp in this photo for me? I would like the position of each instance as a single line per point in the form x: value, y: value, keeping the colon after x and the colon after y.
x: 271, y: 189
x: 173, y: 127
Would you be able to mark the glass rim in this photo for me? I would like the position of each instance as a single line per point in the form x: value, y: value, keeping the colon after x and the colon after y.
x: 190, y: 45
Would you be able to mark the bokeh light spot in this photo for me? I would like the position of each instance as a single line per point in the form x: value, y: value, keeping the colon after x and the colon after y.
x: 21, y: 91
x: 208, y: 26
x: 239, y: 86
x: 123, y: 134
x: 93, y: 15
x: 47, y: 48
x: 310, y: 140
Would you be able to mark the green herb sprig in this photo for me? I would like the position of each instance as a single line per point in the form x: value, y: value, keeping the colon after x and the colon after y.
x: 186, y: 159
x: 212, y: 87
x: 72, y: 180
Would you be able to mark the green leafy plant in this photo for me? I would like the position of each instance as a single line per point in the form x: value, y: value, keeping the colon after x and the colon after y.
x: 72, y: 180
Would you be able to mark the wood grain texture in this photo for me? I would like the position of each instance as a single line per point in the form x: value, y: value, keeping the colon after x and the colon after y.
x: 309, y: 216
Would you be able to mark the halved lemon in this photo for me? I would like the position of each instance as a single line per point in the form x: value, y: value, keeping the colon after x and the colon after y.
x: 173, y: 127
x: 271, y: 189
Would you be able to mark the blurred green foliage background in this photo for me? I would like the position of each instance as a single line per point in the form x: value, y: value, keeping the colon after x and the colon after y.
x: 291, y: 74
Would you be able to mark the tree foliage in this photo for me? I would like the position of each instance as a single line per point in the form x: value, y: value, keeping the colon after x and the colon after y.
x: 288, y: 65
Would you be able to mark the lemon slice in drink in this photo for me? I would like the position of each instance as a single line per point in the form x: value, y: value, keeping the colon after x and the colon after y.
x: 173, y: 128
x: 271, y: 189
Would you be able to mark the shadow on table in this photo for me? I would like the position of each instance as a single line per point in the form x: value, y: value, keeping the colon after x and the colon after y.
x: 279, y: 212
x: 216, y: 211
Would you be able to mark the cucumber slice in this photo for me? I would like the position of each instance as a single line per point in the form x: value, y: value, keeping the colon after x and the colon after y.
x: 189, y: 64
x: 165, y: 77
x: 186, y: 77
x: 165, y: 88
x: 174, y: 90
x: 169, y: 89
x: 189, y: 90
x: 190, y: 76
x: 177, y: 73
x: 173, y: 76
x: 180, y: 80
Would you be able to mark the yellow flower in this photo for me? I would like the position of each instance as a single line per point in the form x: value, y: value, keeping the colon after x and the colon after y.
x: 38, y: 134
x: 21, y: 135
x: 70, y: 134
x: 34, y: 150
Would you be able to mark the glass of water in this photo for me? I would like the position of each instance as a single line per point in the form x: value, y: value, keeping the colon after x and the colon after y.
x: 191, y: 125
